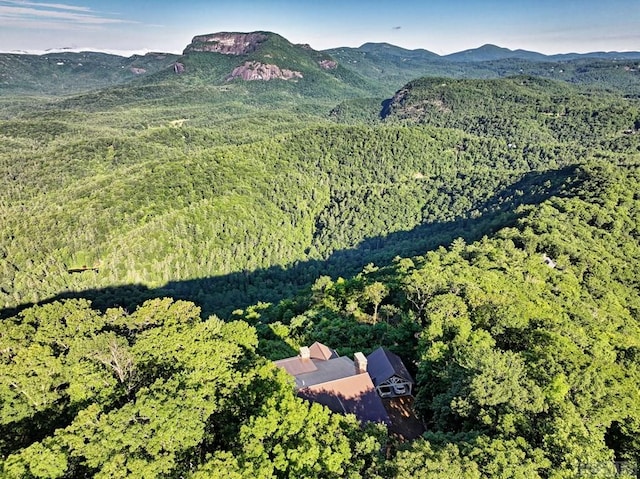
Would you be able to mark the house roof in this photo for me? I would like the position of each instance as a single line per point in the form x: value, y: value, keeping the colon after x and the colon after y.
x: 320, y: 351
x: 296, y: 365
x: 350, y: 395
x: 337, y: 368
x: 308, y: 372
x: 331, y: 380
x: 383, y: 365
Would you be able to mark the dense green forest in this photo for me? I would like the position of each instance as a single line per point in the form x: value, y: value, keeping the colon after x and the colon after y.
x: 67, y: 73
x: 166, y: 237
x: 393, y: 66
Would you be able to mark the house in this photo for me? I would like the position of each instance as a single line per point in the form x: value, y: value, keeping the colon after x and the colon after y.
x: 389, y: 374
x: 348, y: 385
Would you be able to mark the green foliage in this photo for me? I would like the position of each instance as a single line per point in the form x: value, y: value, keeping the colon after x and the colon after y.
x: 486, y: 231
x: 392, y: 67
x: 165, y: 204
x: 523, y: 110
x: 156, y: 393
x: 68, y: 73
x: 525, y: 343
x: 421, y: 461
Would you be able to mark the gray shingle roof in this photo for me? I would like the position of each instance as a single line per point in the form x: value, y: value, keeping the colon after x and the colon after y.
x: 383, y: 365
x: 331, y: 380
x: 350, y: 395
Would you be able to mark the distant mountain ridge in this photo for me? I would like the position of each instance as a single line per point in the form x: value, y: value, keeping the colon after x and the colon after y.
x: 371, y: 47
x: 393, y: 66
x: 107, y: 51
x: 70, y: 72
x: 376, y: 68
x: 487, y: 52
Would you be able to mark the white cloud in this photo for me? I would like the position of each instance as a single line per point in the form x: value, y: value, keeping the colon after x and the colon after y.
x: 37, y: 15
x: 57, y: 6
x: 111, y: 51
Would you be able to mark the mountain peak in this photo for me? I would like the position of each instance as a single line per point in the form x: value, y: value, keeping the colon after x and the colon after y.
x: 389, y: 49
x: 227, y: 43
x: 489, y: 51
x: 492, y: 47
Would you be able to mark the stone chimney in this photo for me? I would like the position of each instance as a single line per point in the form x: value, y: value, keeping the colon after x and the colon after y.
x: 305, y: 353
x: 360, y: 361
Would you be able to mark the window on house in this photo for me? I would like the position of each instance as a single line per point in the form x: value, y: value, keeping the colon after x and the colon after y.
x: 384, y: 390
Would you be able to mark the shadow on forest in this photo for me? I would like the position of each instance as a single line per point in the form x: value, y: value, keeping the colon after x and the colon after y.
x: 349, y: 396
x: 221, y: 295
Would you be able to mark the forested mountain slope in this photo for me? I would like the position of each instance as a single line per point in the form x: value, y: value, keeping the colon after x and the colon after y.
x: 392, y: 66
x: 258, y: 57
x: 524, y: 343
x: 522, y: 109
x: 206, y: 197
x: 68, y: 73
x: 163, y: 240
x: 142, y: 211
x: 371, y: 69
x: 526, y: 367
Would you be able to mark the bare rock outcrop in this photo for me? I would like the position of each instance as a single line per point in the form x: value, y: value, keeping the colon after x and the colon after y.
x: 226, y: 43
x: 251, y: 71
x: 178, y: 68
x: 328, y: 64
x: 404, y: 105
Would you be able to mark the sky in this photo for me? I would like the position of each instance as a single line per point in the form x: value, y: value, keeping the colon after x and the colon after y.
x: 441, y: 26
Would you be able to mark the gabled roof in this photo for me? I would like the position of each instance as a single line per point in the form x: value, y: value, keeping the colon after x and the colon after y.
x: 323, y: 365
x: 325, y: 371
x: 296, y: 365
x: 320, y: 351
x: 383, y: 365
x: 350, y: 395
x: 333, y: 381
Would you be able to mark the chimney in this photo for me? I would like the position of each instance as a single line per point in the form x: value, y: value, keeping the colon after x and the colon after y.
x: 305, y: 353
x: 360, y: 361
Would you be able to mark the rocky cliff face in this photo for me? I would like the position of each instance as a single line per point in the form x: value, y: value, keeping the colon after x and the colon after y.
x: 261, y: 71
x: 328, y: 64
x: 226, y: 43
x: 266, y: 55
x: 407, y: 104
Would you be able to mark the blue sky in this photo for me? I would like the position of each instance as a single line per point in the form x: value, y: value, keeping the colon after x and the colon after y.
x: 547, y: 26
